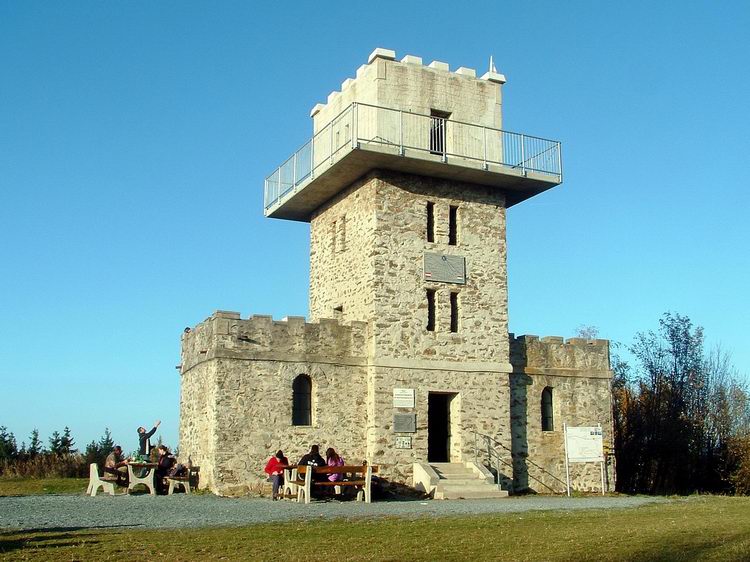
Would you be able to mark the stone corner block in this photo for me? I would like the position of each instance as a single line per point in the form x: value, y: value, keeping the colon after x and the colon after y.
x: 346, y: 83
x: 552, y: 339
x: 381, y: 53
x: 527, y: 338
x: 494, y: 77
x: 411, y: 59
x: 467, y: 72
x: 227, y: 314
x: 332, y: 96
x: 318, y: 107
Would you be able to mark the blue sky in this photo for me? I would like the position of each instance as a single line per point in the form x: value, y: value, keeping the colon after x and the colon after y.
x: 134, y: 139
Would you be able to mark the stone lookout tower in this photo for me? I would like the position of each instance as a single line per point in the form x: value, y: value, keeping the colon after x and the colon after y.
x: 406, y: 361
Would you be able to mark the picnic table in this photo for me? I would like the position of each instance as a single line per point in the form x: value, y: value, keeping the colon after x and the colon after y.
x: 148, y: 480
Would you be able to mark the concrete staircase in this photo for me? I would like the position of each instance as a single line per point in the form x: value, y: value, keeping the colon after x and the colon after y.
x: 462, y: 481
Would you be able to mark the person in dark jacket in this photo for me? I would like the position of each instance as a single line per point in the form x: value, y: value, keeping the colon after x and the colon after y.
x: 313, y: 458
x: 144, y: 443
x: 165, y: 463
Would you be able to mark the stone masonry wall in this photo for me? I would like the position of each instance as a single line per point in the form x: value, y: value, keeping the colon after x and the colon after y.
x: 198, y: 420
x: 399, y: 295
x: 482, y: 404
x: 577, y: 371
x: 342, y: 240
x: 236, y: 403
x: 377, y: 271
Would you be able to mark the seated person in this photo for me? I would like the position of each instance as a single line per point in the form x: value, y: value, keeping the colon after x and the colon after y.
x: 313, y: 458
x: 164, y: 464
x: 117, y: 466
x: 333, y: 459
x: 275, y: 470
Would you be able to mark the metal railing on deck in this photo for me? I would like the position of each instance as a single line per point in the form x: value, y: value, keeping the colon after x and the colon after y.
x: 361, y: 125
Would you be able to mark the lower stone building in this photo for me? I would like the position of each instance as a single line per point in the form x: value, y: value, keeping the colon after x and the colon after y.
x: 240, y: 395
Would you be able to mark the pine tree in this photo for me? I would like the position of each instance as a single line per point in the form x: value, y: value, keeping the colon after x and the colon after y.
x: 55, y: 443
x: 106, y: 443
x: 35, y: 445
x: 8, y: 447
x: 67, y: 442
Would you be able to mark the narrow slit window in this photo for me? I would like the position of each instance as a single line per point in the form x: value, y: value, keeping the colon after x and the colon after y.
x: 453, y: 225
x: 430, y: 310
x: 454, y: 312
x: 430, y: 221
x: 342, y: 234
x: 547, y: 410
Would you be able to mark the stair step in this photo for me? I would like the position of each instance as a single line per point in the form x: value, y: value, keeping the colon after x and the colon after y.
x: 484, y: 494
x: 468, y: 488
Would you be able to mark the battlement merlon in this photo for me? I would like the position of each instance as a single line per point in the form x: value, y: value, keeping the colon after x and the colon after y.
x: 408, y: 85
x: 553, y: 355
x: 261, y: 338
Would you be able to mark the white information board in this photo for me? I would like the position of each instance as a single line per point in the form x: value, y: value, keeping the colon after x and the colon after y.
x: 584, y: 444
x: 403, y: 397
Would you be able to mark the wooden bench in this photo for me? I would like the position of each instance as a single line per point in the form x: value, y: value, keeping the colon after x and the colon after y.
x: 358, y: 476
x: 190, y: 479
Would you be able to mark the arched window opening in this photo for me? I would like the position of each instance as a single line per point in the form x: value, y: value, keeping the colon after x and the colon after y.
x: 302, y: 400
x: 547, y: 413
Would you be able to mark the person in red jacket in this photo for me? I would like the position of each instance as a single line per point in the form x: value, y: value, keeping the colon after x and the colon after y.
x: 275, y: 470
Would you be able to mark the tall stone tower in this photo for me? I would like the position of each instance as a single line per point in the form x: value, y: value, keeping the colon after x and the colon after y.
x: 406, y: 360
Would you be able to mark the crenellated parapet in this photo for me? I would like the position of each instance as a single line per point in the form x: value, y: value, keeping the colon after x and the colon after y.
x: 553, y: 355
x: 410, y: 85
x: 226, y: 335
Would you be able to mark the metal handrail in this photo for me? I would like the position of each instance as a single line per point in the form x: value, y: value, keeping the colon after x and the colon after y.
x: 455, y: 139
x: 491, y: 445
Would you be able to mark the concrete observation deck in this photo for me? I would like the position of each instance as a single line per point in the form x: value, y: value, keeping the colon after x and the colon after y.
x: 372, y: 124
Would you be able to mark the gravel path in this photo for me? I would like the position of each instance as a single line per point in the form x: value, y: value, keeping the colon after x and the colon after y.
x: 181, y: 511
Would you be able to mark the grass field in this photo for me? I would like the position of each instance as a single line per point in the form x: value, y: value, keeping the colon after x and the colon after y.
x: 698, y: 528
x: 34, y: 486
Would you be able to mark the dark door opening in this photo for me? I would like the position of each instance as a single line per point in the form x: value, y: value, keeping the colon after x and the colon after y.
x: 437, y: 131
x: 438, y: 427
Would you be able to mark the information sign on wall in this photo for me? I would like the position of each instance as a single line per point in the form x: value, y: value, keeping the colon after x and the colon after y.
x: 405, y: 423
x: 403, y: 442
x: 403, y: 397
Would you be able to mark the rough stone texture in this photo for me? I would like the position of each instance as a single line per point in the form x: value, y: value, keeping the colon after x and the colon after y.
x: 236, y: 399
x: 578, y: 373
x: 378, y: 272
x: 482, y: 404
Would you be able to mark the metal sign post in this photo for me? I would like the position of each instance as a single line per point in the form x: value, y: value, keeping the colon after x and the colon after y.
x: 567, y: 466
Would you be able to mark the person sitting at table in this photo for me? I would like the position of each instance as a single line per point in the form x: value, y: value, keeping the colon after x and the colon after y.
x: 333, y: 459
x: 164, y: 465
x: 117, y: 465
x: 144, y: 441
x: 275, y: 470
x: 313, y: 458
